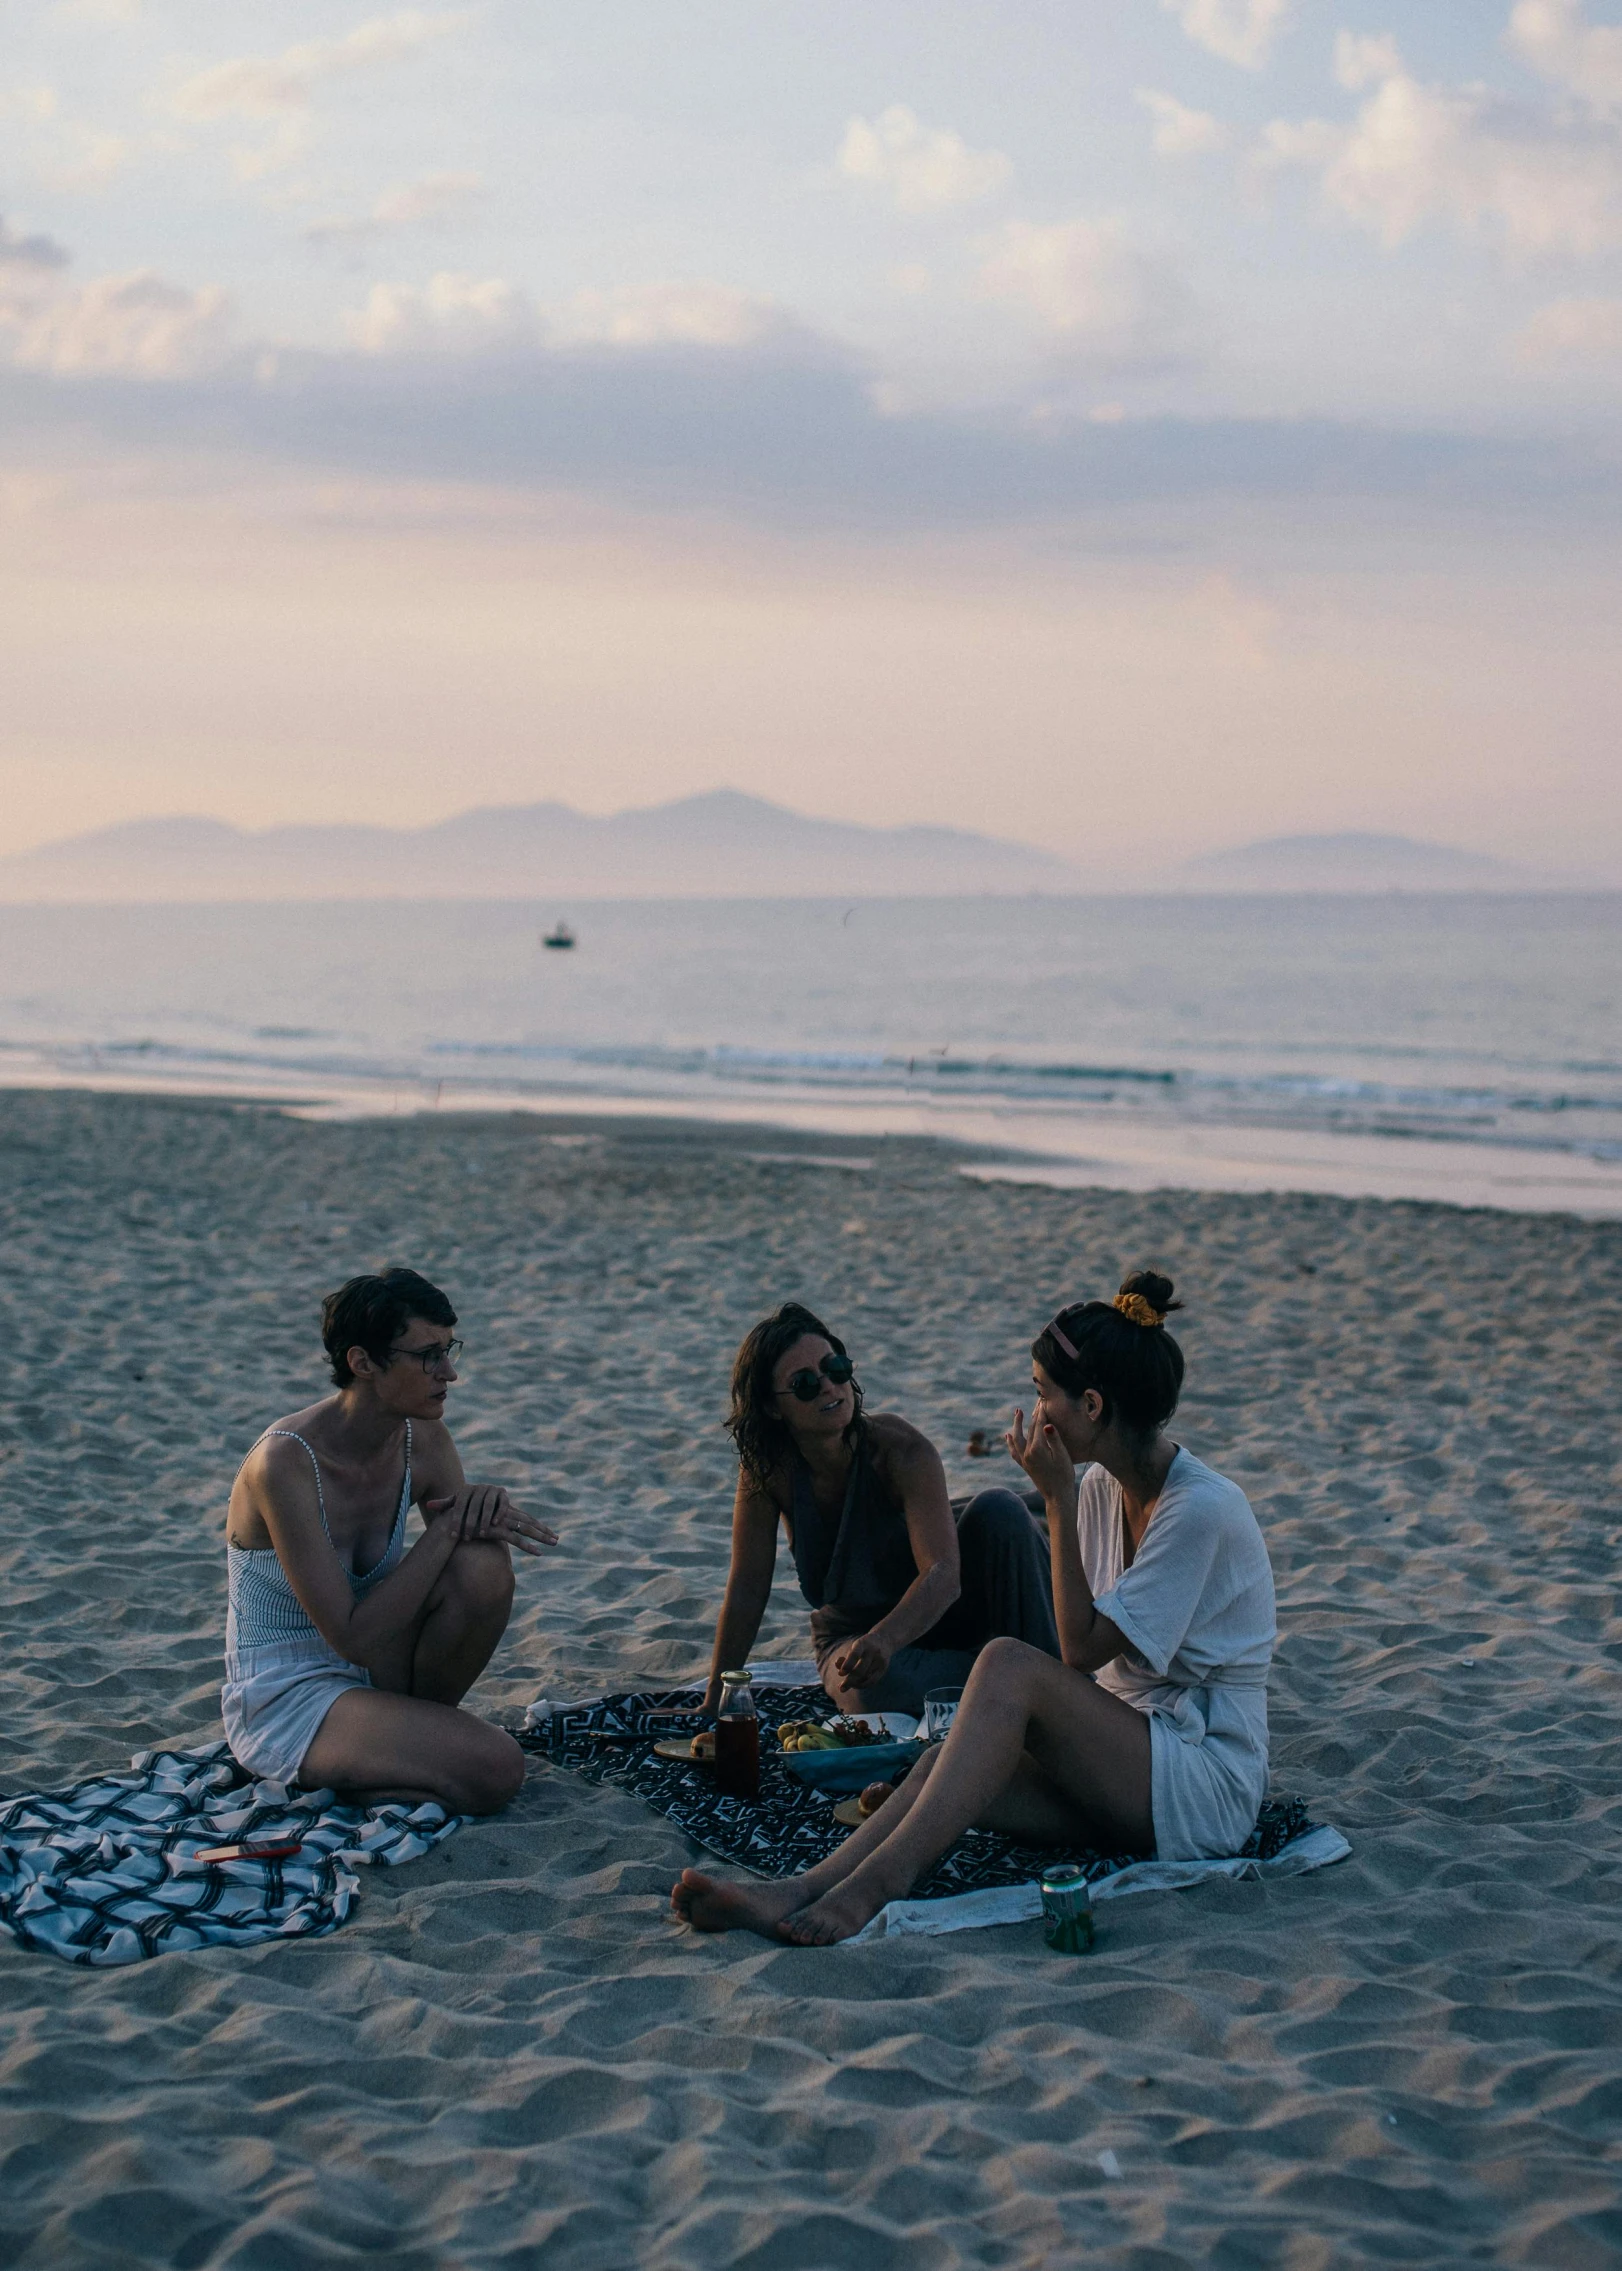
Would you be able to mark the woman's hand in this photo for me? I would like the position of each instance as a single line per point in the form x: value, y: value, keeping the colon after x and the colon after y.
x: 864, y: 1662
x: 482, y: 1510
x: 1043, y: 1456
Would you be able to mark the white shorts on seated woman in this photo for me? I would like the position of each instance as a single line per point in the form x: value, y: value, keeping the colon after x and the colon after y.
x: 1197, y: 1607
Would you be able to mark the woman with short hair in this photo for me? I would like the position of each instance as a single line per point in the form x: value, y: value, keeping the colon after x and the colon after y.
x: 903, y: 1590
x: 1151, y: 1735
x: 346, y: 1652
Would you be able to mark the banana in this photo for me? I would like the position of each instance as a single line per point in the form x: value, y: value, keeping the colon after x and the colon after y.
x: 806, y: 1735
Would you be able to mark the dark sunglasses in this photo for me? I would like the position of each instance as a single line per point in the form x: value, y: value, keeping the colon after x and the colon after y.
x: 806, y: 1385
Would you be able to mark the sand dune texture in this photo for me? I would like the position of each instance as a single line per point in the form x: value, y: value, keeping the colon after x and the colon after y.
x: 510, y: 2057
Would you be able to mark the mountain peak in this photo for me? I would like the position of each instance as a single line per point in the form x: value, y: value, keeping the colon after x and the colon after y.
x: 1356, y: 860
x: 720, y: 843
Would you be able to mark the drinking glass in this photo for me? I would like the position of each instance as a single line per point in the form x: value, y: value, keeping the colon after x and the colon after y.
x: 940, y: 1709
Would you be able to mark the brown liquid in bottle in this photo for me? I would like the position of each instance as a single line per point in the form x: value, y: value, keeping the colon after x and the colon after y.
x: 737, y: 1756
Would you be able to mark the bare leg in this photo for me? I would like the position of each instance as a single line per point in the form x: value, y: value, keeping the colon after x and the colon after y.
x: 467, y: 1614
x: 373, y: 1748
x: 1087, y: 1774
x: 443, y: 1652
x: 1048, y: 1756
x: 716, y: 1904
x: 402, y: 1738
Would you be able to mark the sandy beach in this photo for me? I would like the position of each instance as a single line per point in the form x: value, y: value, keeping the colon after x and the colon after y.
x: 510, y: 2056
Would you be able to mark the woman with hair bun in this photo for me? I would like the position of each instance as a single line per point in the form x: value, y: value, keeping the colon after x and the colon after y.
x: 1150, y: 1736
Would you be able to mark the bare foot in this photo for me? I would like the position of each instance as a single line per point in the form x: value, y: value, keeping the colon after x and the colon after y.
x: 710, y: 1904
x: 842, y: 1911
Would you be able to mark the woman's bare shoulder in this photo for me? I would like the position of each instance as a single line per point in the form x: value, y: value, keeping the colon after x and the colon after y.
x: 277, y: 1469
x: 276, y: 1438
x: 434, y: 1461
x: 897, y: 1441
x: 283, y: 1451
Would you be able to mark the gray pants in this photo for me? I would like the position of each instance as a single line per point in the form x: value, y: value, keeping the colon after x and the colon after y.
x: 1006, y: 1589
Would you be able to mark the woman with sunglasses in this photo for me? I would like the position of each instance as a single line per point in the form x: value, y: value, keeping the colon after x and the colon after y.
x: 903, y: 1592
x: 1151, y: 1736
x: 346, y: 1654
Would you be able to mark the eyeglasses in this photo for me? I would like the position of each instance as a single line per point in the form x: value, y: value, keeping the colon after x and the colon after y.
x: 806, y: 1385
x: 433, y: 1356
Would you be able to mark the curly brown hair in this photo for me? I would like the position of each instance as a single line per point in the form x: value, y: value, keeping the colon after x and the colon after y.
x: 754, y: 1422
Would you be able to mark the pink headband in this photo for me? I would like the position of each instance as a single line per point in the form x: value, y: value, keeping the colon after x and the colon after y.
x: 1056, y: 1332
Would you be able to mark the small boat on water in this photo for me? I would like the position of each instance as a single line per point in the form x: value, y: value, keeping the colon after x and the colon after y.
x: 559, y: 936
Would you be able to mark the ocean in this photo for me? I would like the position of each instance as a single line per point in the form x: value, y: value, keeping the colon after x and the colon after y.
x: 1466, y: 1049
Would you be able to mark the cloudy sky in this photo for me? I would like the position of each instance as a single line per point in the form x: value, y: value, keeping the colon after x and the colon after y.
x: 1133, y: 425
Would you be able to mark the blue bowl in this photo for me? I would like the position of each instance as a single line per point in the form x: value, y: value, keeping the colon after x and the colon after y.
x: 847, y: 1770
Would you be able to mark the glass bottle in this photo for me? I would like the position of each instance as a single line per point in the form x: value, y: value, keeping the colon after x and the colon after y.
x: 737, y: 1738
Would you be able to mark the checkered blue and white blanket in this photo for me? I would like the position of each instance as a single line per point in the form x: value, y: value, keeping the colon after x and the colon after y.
x: 105, y: 1873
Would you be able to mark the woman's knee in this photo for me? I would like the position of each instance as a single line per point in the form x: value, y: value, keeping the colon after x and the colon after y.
x: 996, y: 1513
x: 492, y: 1773
x: 1005, y: 1663
x: 479, y: 1577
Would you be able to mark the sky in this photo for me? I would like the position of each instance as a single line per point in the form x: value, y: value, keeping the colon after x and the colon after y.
x: 1134, y: 426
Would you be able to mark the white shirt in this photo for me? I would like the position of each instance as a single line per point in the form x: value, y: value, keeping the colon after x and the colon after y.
x: 1198, y: 1598
x: 1196, y: 1610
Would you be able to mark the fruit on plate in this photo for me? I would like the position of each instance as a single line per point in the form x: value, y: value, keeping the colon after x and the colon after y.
x: 843, y: 1734
x: 806, y: 1735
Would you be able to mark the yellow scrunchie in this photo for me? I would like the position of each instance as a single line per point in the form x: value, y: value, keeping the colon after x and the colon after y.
x: 1137, y: 1311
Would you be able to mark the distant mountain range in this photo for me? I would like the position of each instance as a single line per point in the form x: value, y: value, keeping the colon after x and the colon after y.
x: 1358, y: 863
x: 723, y: 845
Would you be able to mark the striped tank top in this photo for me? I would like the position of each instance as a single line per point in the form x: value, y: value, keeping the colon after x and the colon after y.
x: 262, y: 1609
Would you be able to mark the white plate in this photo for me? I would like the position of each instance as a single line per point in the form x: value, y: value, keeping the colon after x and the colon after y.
x: 900, y: 1726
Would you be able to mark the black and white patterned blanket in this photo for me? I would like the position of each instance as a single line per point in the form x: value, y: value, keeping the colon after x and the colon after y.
x: 103, y: 1873
x: 791, y: 1828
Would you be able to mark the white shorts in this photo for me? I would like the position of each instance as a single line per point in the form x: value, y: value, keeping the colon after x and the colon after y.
x: 1208, y: 1772
x: 275, y: 1698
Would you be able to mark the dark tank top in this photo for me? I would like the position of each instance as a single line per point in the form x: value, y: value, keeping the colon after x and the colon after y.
x: 860, y: 1563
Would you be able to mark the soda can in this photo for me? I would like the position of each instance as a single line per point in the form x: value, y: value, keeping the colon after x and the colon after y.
x: 1067, y: 1911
